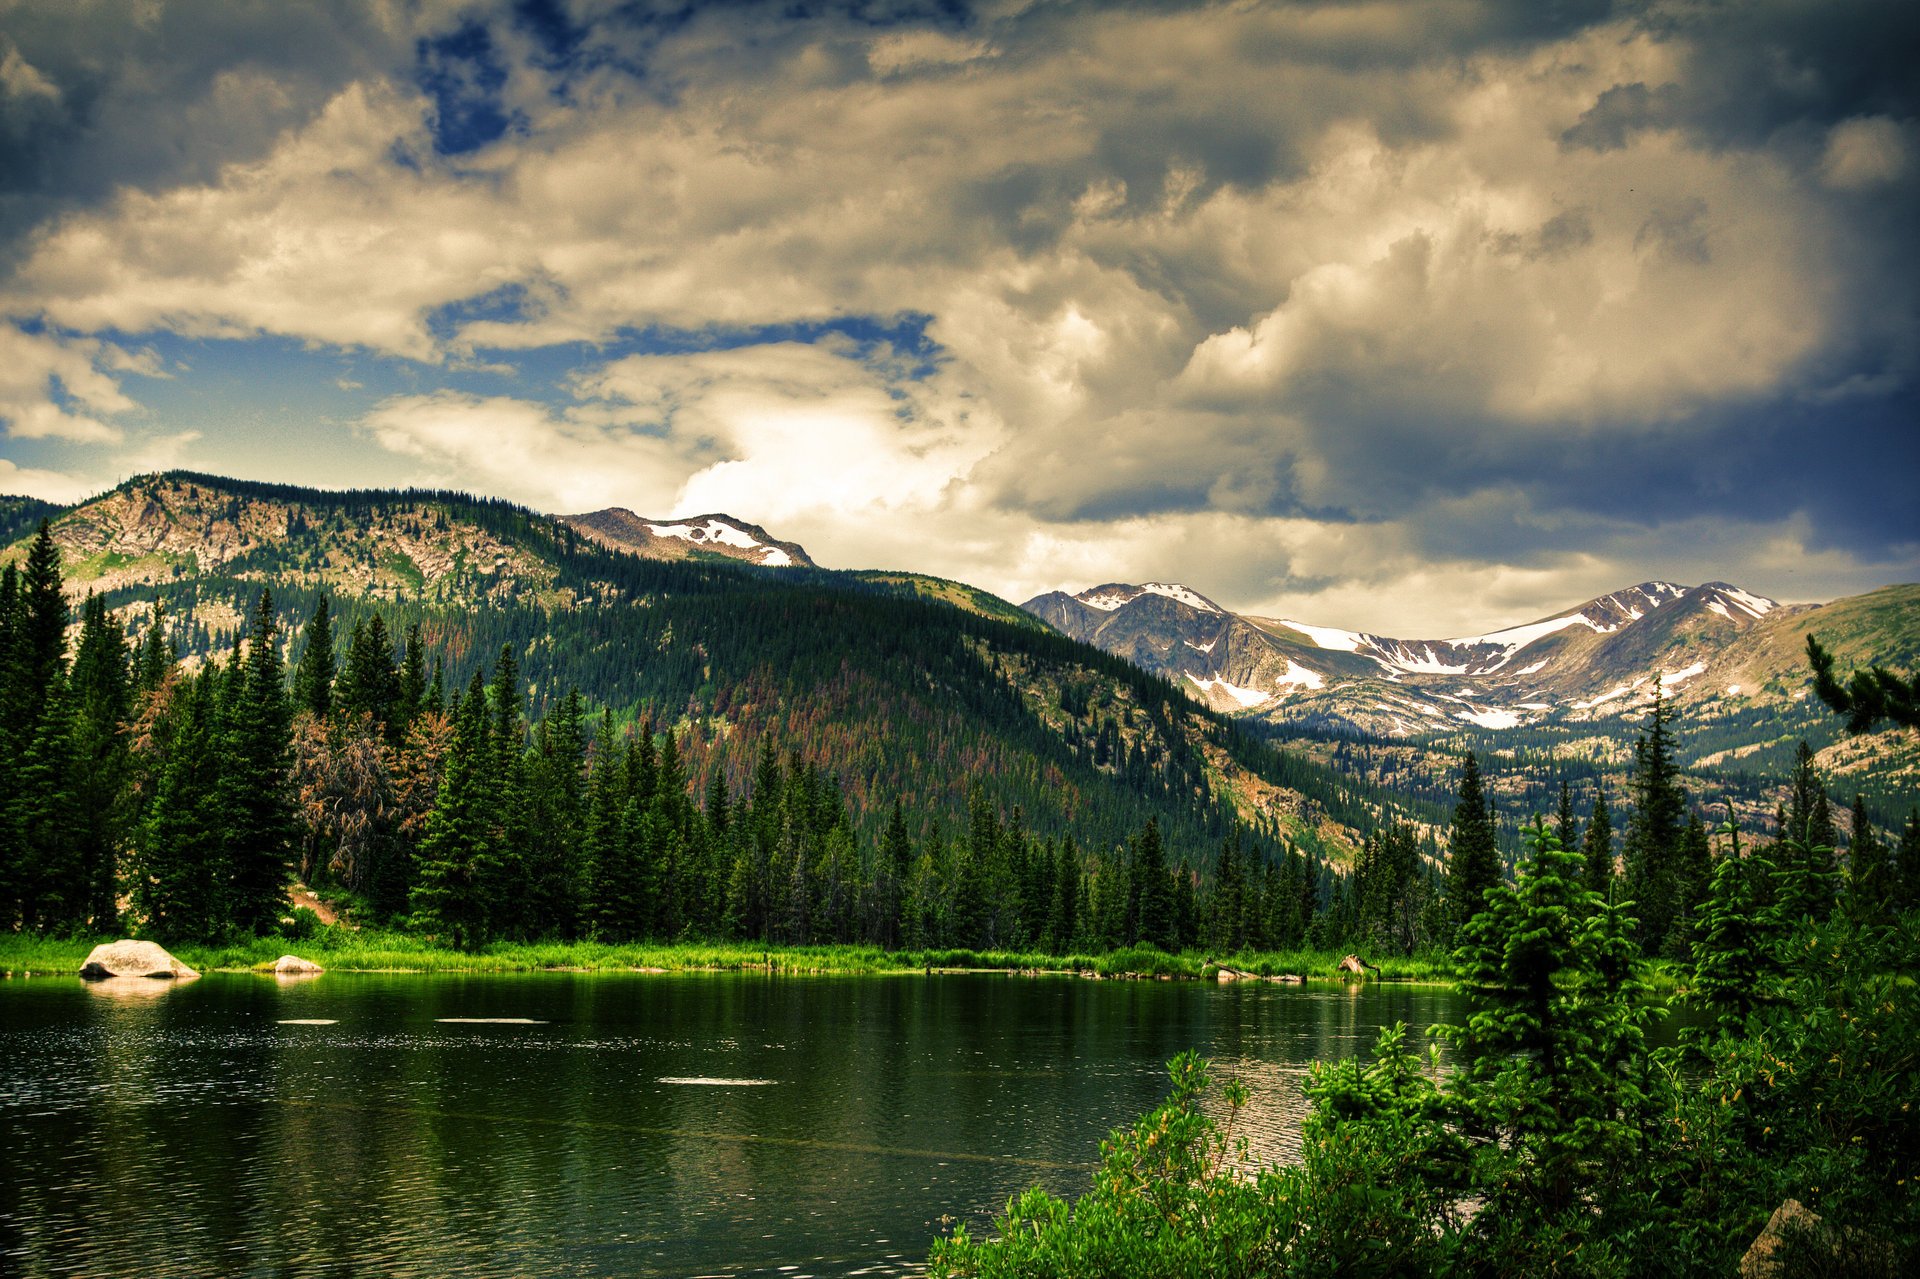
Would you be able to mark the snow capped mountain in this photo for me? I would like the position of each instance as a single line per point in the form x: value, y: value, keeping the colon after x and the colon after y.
x: 1600, y: 660
x: 1112, y: 596
x: 696, y: 536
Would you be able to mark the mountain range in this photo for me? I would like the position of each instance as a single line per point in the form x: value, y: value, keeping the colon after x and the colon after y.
x: 1123, y: 700
x: 897, y: 683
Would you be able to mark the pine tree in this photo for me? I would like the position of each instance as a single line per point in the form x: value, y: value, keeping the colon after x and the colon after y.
x: 255, y: 794
x: 456, y: 852
x: 103, y: 699
x: 1552, y: 1006
x: 1906, y: 894
x: 1598, y: 846
x: 1153, y: 890
x: 1869, y: 877
x: 1654, y: 830
x: 1473, y: 855
x: 1565, y: 825
x: 313, y: 678
x: 179, y: 871
x: 1063, y: 921
x: 1808, y: 875
x: 1733, y: 962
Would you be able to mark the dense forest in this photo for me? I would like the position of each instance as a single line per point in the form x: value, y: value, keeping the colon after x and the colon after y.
x: 184, y: 797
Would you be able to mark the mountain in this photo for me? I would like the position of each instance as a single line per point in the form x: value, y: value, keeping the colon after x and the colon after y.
x: 899, y: 684
x: 696, y: 537
x: 1574, y: 684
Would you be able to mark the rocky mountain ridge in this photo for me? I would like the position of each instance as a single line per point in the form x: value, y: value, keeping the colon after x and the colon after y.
x: 712, y: 536
x: 1598, y: 661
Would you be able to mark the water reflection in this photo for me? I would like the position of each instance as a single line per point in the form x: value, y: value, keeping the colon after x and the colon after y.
x: 580, y: 1124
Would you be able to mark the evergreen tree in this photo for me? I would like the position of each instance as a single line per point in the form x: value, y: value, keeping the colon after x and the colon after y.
x: 157, y: 655
x: 1473, y: 855
x: 1597, y: 873
x: 178, y: 884
x: 1153, y: 890
x: 456, y: 852
x: 1733, y: 961
x: 102, y: 701
x: 1565, y: 825
x: 1548, y: 1016
x: 255, y: 796
x: 313, y: 678
x: 1808, y: 875
x: 1064, y: 920
x: 1869, y: 876
x: 1654, y: 830
x: 1906, y: 893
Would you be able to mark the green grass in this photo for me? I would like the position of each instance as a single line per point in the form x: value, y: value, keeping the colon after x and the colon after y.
x: 368, y: 950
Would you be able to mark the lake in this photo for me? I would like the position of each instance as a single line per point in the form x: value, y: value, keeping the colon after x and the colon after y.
x: 598, y: 1124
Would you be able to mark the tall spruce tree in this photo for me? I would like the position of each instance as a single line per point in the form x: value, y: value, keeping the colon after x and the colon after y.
x: 1654, y: 829
x: 1473, y: 855
x: 103, y: 699
x: 313, y: 678
x: 255, y: 793
x: 456, y: 853
x: 1156, y: 923
x: 1869, y: 874
x: 1597, y: 873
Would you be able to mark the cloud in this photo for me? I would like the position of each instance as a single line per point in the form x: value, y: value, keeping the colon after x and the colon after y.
x: 1326, y: 298
x: 53, y: 387
x: 48, y: 486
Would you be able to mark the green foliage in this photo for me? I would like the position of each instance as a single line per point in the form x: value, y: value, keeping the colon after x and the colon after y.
x: 1868, y: 696
x: 1473, y: 857
x: 1561, y: 1143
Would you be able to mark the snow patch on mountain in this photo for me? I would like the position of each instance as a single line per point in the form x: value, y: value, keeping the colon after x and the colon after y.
x: 1301, y: 675
x: 1175, y: 591
x: 1669, y: 678
x: 1328, y: 637
x: 712, y: 531
x: 1201, y: 648
x: 1247, y: 697
x: 1490, y: 719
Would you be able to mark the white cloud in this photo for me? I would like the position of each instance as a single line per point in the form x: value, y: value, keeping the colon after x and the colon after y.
x: 52, y: 387
x: 48, y: 486
x: 1194, y: 278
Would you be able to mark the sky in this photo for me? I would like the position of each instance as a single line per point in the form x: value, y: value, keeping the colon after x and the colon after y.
x: 1418, y: 317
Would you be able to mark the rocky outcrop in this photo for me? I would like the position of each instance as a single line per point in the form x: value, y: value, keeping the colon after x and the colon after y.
x: 294, y: 966
x: 130, y: 958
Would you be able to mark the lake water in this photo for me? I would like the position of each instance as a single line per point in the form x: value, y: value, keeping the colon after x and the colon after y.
x: 598, y: 1124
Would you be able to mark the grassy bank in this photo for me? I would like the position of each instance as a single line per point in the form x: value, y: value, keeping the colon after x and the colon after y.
x: 367, y: 950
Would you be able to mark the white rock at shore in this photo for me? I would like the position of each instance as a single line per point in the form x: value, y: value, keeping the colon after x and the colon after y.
x: 293, y: 965
x: 128, y: 958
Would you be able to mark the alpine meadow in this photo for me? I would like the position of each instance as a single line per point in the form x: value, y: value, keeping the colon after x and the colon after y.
x: 988, y: 640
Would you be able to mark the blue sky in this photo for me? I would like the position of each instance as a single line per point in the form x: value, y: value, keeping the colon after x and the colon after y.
x: 1412, y: 316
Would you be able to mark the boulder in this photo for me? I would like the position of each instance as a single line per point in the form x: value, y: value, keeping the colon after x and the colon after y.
x: 1764, y: 1259
x: 132, y: 959
x: 294, y: 966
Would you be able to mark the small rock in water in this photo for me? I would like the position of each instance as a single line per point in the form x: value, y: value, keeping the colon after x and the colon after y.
x: 712, y: 1082
x: 129, y: 958
x: 490, y: 1021
x: 293, y: 965
x: 309, y: 1021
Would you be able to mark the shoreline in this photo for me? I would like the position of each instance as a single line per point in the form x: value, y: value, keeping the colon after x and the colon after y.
x: 348, y: 952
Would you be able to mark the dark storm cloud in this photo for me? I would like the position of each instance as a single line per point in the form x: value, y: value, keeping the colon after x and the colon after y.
x: 1312, y: 293
x: 154, y: 95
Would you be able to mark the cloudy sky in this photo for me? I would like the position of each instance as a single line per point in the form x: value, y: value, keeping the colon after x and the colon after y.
x: 1418, y: 317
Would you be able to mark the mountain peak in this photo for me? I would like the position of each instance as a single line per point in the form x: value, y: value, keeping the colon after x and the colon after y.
x: 695, y: 536
x: 1116, y: 594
